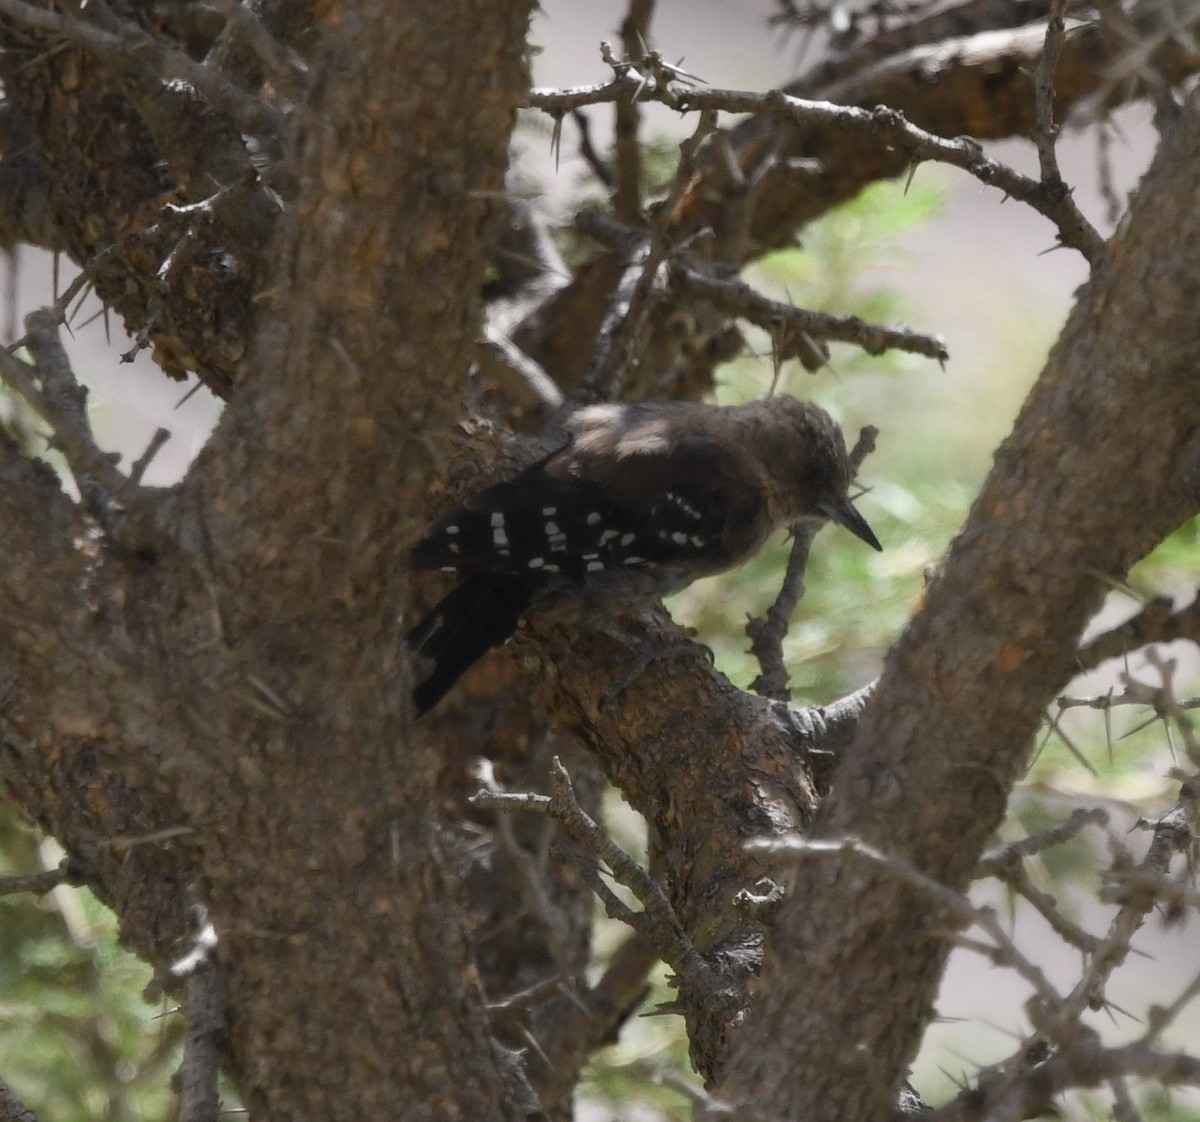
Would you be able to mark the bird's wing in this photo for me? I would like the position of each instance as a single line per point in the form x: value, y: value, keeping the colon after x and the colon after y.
x: 576, y: 514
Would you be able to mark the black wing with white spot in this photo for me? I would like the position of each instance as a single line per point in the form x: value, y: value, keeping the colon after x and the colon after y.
x: 542, y: 524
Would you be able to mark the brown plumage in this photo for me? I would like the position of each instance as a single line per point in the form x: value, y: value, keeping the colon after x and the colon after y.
x: 643, y: 500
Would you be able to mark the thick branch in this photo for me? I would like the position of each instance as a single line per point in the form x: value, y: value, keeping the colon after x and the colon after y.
x: 1080, y: 491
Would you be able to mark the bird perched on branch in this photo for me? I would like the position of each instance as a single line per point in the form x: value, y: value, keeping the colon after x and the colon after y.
x: 643, y: 500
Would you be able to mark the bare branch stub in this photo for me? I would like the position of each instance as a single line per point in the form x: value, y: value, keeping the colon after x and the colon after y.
x: 68, y: 871
x: 203, y: 1046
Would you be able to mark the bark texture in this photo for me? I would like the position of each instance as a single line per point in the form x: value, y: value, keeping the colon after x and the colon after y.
x: 1103, y: 463
x: 204, y: 695
x: 229, y: 669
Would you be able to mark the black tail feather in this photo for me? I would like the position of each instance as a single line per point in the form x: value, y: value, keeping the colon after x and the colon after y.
x: 481, y: 613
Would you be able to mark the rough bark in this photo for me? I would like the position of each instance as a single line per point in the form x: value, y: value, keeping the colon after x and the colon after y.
x: 230, y: 668
x: 1103, y: 462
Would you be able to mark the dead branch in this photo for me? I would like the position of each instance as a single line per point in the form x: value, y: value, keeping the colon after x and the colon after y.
x: 661, y: 924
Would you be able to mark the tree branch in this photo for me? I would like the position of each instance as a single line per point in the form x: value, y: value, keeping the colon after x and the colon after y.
x: 947, y: 732
x: 125, y: 42
x: 661, y: 925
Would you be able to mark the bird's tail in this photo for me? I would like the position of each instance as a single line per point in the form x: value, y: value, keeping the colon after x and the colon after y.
x: 481, y: 613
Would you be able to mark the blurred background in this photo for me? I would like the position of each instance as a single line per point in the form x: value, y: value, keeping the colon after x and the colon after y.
x: 944, y: 256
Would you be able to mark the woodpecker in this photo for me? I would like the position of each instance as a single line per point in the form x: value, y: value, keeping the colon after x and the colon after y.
x: 644, y: 499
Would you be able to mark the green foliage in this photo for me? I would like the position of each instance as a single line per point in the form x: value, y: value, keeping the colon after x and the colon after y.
x: 78, y: 1041
x: 855, y: 600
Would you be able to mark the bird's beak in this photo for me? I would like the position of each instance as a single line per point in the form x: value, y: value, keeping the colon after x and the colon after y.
x: 843, y: 513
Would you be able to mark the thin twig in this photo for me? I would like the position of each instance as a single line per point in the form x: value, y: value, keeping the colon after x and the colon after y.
x: 1045, y: 131
x: 768, y: 632
x: 160, y: 437
x: 1045, y: 138
x: 1026, y: 1094
x: 790, y: 326
x: 622, y: 327
x: 883, y: 124
x: 957, y: 908
x: 587, y: 150
x: 68, y: 871
x: 500, y: 353
x: 1173, y: 833
x: 662, y: 926
x: 996, y: 862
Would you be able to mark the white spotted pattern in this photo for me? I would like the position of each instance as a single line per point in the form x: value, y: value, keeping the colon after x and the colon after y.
x: 683, y: 504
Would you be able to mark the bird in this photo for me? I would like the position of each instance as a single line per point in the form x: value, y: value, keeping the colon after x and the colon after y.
x: 643, y: 499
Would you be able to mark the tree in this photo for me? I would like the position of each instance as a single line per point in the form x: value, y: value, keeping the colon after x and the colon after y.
x: 206, y: 687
